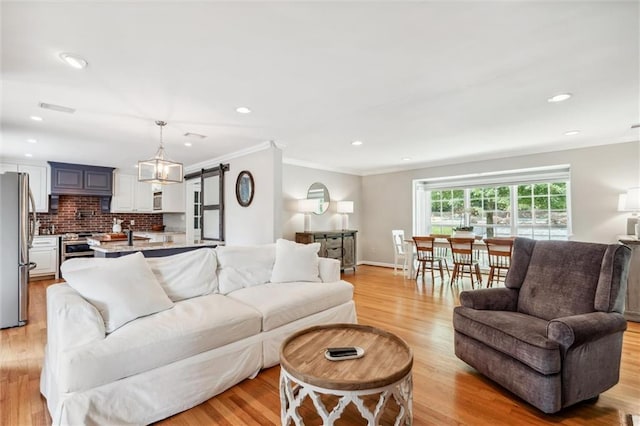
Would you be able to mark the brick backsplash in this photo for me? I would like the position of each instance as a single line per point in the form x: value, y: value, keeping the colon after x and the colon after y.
x: 82, y: 213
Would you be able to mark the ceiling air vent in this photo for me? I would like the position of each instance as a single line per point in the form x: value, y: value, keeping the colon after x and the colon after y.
x: 55, y: 107
x: 194, y: 135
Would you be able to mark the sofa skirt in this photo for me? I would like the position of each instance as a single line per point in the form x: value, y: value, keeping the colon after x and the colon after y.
x: 158, y: 393
x: 162, y: 392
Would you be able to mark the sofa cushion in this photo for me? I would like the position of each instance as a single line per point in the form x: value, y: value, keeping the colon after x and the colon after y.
x: 520, y: 336
x: 241, y: 267
x: 122, y: 289
x: 295, y: 262
x: 282, y: 303
x: 186, y: 275
x: 193, y: 326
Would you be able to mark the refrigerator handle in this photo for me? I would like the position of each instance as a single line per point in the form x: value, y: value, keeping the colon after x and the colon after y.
x: 32, y: 224
x: 32, y: 265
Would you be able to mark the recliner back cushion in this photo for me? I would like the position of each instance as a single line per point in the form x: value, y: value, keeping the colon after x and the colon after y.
x: 561, y: 279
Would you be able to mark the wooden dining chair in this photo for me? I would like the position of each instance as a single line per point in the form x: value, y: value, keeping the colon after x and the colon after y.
x: 464, y: 260
x: 442, y: 251
x: 499, y: 252
x: 426, y: 258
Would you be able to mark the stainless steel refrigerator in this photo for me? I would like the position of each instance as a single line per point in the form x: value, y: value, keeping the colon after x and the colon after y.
x: 17, y: 226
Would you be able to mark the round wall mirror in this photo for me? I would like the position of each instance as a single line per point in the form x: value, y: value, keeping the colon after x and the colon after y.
x: 319, y: 192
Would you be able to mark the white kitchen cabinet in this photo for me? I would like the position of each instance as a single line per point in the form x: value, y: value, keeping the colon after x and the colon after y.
x: 44, y: 254
x: 144, y: 197
x: 173, y: 198
x: 38, y: 178
x: 131, y: 196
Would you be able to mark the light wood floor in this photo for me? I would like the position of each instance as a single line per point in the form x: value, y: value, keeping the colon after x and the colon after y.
x: 446, y: 391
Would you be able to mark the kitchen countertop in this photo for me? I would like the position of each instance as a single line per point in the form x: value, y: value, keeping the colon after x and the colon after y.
x: 160, y: 232
x: 122, y: 247
x: 104, y: 239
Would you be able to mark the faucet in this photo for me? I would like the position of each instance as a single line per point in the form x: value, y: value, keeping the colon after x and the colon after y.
x: 129, y: 233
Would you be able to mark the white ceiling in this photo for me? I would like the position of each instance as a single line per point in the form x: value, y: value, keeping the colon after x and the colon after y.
x: 439, y: 82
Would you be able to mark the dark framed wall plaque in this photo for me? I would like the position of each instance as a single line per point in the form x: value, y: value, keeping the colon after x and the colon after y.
x: 245, y: 188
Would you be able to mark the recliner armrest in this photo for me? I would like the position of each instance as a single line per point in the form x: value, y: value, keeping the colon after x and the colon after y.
x: 577, y: 329
x: 490, y: 299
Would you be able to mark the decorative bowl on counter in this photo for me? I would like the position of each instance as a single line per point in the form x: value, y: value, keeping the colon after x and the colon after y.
x: 157, y: 227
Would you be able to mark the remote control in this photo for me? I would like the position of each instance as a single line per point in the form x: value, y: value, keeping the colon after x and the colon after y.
x: 343, y: 353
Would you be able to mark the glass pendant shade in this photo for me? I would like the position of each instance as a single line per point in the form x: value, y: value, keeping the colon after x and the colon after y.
x: 158, y: 169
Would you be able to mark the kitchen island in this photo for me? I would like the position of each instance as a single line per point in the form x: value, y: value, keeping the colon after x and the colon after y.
x: 148, y: 249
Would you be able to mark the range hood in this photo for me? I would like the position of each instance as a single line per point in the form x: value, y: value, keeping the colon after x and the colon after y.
x: 81, y: 179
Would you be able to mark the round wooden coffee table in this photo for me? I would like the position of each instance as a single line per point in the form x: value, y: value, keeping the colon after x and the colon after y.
x: 384, y: 369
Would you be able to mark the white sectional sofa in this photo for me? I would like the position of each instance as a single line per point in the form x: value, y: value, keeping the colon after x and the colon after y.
x: 222, y: 321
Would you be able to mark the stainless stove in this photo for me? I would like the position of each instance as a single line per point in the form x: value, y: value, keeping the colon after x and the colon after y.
x: 74, y: 244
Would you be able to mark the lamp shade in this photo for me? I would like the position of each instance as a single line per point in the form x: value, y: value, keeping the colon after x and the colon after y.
x: 308, y: 205
x: 633, y: 199
x: 622, y: 202
x: 345, y: 206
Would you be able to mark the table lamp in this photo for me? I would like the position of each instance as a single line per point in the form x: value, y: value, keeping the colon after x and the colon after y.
x: 308, y: 206
x: 345, y: 207
x: 632, y: 204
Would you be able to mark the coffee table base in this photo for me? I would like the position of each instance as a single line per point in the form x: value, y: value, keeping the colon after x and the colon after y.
x: 293, y: 392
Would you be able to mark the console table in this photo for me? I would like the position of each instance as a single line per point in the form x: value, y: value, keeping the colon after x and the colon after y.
x: 632, y: 301
x: 340, y: 245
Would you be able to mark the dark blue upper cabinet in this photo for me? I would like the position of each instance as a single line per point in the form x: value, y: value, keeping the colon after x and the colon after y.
x: 79, y: 179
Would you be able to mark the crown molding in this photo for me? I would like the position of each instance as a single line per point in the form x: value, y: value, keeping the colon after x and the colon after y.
x: 212, y: 162
x: 318, y: 166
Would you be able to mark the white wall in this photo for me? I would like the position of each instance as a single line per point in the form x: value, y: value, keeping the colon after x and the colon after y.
x: 261, y: 221
x: 598, y: 175
x: 296, y: 181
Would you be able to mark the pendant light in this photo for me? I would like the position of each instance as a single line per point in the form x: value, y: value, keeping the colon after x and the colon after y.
x: 158, y: 169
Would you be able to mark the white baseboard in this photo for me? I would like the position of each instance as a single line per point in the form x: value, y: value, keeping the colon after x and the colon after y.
x: 383, y: 264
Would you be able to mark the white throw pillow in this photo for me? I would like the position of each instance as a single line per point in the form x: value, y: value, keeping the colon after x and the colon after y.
x: 186, y: 275
x: 295, y: 262
x: 122, y: 289
x: 240, y: 267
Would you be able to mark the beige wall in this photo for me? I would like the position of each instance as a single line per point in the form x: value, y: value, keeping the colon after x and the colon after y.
x: 295, y: 183
x: 261, y: 221
x: 598, y: 175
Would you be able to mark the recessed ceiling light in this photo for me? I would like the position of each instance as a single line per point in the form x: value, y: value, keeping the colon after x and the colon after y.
x: 55, y: 107
x: 559, y: 98
x: 135, y: 165
x: 243, y: 110
x: 187, y: 144
x: 35, y: 118
x: 73, y: 61
x: 28, y: 155
x: 356, y: 143
x: 32, y: 140
x: 406, y: 158
x: 572, y: 133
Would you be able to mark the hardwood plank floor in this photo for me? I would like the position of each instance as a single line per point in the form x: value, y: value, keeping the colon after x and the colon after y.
x: 446, y: 390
